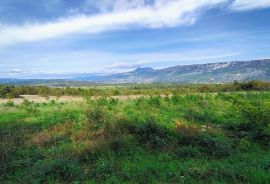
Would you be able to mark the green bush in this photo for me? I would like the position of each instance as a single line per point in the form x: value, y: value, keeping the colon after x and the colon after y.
x: 28, y: 106
x: 255, y: 119
x: 152, y: 134
x: 59, y: 169
x: 208, y: 143
x: 216, y: 146
x: 9, y: 104
x: 188, y: 152
x: 260, y: 177
x: 8, y: 92
x: 154, y: 101
x: 103, y: 170
x: 96, y: 117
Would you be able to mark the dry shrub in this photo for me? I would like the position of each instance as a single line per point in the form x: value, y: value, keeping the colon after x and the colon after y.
x: 63, y: 129
x: 87, y: 144
x: 41, y: 139
x: 81, y: 135
x: 188, y: 134
x: 210, y: 143
x: 182, y: 127
x: 89, y: 140
x: 47, y: 136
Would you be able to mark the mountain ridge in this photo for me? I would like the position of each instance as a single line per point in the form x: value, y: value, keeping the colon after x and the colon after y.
x: 196, y: 73
x: 210, y: 72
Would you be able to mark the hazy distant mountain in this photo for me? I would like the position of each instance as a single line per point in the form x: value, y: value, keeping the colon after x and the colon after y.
x: 213, y: 72
x: 199, y: 73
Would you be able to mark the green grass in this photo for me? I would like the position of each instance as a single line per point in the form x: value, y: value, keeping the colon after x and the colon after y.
x: 196, y: 138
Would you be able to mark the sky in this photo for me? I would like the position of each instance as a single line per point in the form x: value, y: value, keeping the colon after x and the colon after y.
x: 65, y: 38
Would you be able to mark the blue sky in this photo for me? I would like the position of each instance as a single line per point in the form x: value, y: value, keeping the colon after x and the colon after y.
x: 52, y: 38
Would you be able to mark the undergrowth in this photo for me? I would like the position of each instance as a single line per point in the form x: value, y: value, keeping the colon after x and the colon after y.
x: 197, y: 138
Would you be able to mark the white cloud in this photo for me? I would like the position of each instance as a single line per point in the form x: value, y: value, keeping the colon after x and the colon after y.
x: 121, y: 14
x: 163, y: 13
x: 127, y: 65
x: 115, y: 5
x: 18, y: 72
x: 245, y: 5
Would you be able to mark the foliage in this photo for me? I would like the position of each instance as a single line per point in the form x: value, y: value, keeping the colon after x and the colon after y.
x: 255, y: 118
x: 96, y: 117
x: 151, y: 134
x: 184, y: 138
x: 8, y: 91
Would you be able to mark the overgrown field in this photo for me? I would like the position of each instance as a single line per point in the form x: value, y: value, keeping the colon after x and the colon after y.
x: 192, y: 138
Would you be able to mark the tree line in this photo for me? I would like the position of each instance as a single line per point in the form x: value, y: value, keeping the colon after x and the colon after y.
x: 11, y: 91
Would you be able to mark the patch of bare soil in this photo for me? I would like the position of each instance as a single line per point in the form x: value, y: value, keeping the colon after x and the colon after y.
x: 41, y: 99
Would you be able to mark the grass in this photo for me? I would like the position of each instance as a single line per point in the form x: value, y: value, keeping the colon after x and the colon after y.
x: 195, y: 138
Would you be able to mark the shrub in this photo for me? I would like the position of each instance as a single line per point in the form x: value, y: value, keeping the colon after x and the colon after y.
x: 9, y: 104
x: 102, y: 101
x: 8, y: 92
x: 255, y: 119
x: 266, y: 164
x: 28, y: 106
x: 59, y: 169
x: 112, y: 103
x: 152, y: 134
x: 154, y: 101
x: 216, y: 172
x: 259, y: 176
x: 208, y: 143
x: 103, y: 170
x: 140, y: 101
x: 52, y: 102
x: 41, y: 139
x: 96, y: 117
x: 121, y: 144
x: 176, y: 99
x: 187, y: 135
x: 187, y: 152
x: 116, y: 92
x: 217, y: 146
x: 244, y: 144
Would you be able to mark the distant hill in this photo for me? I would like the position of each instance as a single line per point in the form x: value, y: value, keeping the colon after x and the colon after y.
x: 47, y: 82
x: 198, y: 73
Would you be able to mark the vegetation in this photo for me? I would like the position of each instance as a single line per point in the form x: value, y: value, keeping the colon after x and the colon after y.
x: 185, y: 138
x: 7, y: 91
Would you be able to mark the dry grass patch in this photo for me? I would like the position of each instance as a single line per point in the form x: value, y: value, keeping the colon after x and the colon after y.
x: 41, y: 139
x: 182, y: 127
x: 63, y: 129
x: 46, y: 137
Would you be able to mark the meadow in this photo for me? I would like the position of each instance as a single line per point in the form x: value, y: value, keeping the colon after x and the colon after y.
x: 191, y: 134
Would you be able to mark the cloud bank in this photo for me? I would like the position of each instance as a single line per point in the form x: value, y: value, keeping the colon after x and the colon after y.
x: 121, y: 14
x: 245, y: 5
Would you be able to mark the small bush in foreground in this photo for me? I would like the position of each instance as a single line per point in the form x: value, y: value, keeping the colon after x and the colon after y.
x: 96, y: 117
x: 255, y: 119
x: 152, y: 134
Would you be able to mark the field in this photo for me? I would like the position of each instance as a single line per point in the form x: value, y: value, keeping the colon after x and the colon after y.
x: 162, y: 135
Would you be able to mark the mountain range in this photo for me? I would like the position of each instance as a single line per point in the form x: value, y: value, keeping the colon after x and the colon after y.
x: 197, y: 73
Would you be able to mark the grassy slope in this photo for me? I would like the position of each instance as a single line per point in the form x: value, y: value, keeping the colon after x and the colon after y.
x: 183, y: 139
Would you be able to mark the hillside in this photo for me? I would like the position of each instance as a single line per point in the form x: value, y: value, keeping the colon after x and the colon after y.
x: 198, y: 73
x: 212, y: 72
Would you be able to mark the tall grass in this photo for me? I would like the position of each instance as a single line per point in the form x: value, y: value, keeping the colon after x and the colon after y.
x: 196, y: 138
